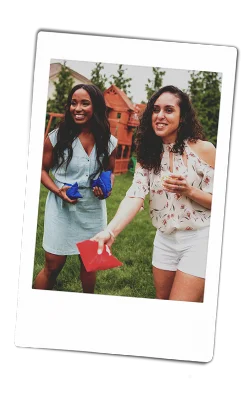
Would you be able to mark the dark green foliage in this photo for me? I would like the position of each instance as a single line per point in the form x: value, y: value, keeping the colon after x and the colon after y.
x: 97, y: 78
x: 153, y: 85
x: 204, y: 90
x: 120, y: 81
x: 62, y: 88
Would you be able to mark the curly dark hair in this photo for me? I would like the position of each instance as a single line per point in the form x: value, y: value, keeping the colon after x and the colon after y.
x: 68, y: 130
x: 149, y: 146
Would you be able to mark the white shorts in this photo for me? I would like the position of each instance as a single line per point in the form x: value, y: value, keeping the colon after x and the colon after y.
x: 182, y: 250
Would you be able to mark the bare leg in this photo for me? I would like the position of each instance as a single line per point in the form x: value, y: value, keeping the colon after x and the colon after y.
x: 46, y: 278
x: 88, y: 279
x: 163, y: 281
x: 187, y: 287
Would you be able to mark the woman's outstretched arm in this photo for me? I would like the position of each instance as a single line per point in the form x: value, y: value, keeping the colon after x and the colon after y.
x: 127, y: 210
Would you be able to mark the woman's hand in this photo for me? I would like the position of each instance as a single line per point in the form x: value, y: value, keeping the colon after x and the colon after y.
x: 177, y: 184
x: 99, y: 193
x: 62, y: 194
x: 103, y: 238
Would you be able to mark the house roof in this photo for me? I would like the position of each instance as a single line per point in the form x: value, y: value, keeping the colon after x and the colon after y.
x: 140, y: 108
x: 116, y: 99
x: 55, y: 68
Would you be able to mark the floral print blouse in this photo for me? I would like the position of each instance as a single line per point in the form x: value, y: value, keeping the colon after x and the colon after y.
x: 169, y: 211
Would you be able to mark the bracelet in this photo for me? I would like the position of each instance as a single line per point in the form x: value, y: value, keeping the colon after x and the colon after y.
x: 111, y: 233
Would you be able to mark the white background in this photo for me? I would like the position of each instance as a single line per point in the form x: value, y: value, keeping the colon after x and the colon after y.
x: 26, y: 369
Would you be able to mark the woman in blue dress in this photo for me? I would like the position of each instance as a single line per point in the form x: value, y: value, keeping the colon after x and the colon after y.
x: 78, y: 151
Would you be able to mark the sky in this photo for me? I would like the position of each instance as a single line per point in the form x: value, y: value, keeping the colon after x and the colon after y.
x: 139, y: 75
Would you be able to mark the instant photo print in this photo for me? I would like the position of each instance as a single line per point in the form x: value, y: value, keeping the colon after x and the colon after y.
x: 122, y: 316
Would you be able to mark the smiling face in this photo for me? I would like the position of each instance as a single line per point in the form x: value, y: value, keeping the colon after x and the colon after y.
x: 166, y: 117
x: 81, y: 107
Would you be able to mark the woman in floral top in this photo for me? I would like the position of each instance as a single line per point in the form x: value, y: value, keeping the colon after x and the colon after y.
x: 176, y: 167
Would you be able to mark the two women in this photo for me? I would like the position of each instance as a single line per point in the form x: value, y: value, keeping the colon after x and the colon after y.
x: 176, y: 167
x: 78, y: 151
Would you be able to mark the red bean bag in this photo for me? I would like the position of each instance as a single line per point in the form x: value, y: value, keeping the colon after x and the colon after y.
x: 93, y: 261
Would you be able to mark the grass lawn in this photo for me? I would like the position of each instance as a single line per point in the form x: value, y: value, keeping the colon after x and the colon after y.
x: 133, y: 247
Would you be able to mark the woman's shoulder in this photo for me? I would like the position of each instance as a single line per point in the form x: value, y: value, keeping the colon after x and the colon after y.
x: 53, y: 136
x: 112, y: 143
x: 113, y: 139
x: 53, y: 132
x: 205, y: 151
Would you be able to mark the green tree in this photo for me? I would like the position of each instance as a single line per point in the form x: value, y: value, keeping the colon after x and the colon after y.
x: 62, y: 89
x: 97, y: 78
x: 156, y: 83
x: 120, y: 81
x: 204, y: 90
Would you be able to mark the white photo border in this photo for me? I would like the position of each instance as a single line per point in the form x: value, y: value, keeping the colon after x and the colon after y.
x: 114, y: 324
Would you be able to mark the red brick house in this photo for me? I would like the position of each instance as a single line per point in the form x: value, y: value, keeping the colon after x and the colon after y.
x: 123, y: 118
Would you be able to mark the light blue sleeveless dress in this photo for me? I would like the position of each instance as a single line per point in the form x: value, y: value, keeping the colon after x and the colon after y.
x: 66, y: 224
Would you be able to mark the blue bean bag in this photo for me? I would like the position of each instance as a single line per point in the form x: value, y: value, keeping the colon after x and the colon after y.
x: 72, y: 192
x: 103, y: 182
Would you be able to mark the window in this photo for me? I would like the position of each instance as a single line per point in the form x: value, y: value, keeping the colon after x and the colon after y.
x: 126, y: 152
x: 119, y: 152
